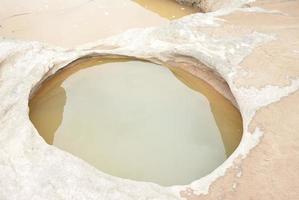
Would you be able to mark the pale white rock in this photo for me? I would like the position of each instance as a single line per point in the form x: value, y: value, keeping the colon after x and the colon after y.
x: 31, y: 169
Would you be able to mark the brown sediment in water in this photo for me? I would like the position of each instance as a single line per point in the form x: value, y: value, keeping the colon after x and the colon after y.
x: 47, y: 112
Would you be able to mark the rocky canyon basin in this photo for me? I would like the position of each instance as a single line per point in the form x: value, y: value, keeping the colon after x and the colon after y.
x: 149, y: 99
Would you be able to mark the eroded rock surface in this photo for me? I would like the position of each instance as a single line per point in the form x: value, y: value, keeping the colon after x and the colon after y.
x: 254, y: 50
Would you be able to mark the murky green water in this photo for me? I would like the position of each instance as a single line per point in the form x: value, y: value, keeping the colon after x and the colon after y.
x: 137, y: 120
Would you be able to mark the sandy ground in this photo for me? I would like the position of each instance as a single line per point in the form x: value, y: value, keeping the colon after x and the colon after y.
x: 70, y: 23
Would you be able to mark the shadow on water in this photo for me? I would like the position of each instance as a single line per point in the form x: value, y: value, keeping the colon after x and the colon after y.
x: 227, y: 117
x: 53, y: 94
x: 57, y: 97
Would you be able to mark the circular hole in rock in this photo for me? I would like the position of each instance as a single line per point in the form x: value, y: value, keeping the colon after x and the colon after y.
x: 137, y: 120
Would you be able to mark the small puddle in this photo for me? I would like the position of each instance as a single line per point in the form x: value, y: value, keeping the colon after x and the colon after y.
x: 169, y: 9
x: 75, y: 22
x: 137, y: 120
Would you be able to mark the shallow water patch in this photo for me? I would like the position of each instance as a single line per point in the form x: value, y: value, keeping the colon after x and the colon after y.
x: 169, y: 9
x: 137, y: 120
